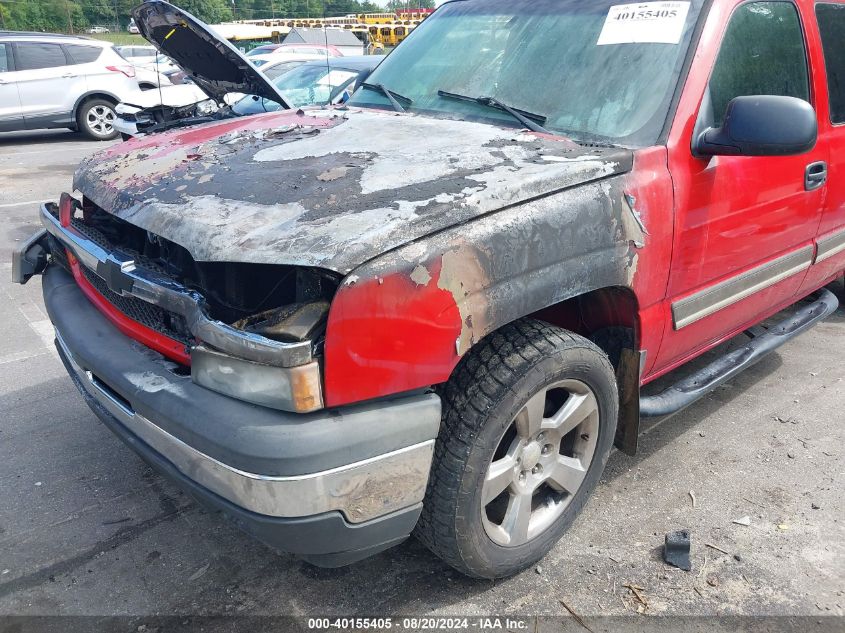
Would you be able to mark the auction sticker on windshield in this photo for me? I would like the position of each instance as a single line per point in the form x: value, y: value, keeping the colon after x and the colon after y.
x: 644, y: 23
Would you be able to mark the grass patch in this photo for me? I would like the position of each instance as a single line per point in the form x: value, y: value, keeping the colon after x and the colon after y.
x: 119, y: 39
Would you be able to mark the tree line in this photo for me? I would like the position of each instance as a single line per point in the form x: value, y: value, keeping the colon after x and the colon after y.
x: 69, y: 16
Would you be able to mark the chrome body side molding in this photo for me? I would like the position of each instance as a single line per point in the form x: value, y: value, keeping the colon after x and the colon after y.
x: 830, y: 245
x: 726, y: 293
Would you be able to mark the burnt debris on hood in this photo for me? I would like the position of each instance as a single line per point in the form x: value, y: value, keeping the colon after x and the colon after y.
x: 211, y: 62
x: 330, y: 188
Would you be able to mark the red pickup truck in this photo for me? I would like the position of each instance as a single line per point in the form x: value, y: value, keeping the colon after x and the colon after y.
x: 432, y: 310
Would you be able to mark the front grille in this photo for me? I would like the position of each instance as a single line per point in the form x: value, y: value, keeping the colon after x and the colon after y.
x: 167, y: 323
x: 101, y: 240
x: 155, y: 318
x: 91, y: 233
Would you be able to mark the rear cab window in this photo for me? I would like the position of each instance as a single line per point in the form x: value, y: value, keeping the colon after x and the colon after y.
x: 831, y: 19
x: 763, y: 53
x: 36, y: 55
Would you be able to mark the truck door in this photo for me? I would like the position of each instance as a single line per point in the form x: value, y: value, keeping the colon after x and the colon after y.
x: 744, y: 226
x: 830, y: 255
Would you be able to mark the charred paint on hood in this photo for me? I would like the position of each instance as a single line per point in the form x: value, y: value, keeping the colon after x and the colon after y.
x: 329, y: 188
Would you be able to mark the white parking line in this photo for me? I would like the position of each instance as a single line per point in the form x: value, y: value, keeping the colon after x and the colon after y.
x: 54, y: 150
x: 46, y: 332
x: 37, y: 320
x: 9, y: 205
x: 19, y: 356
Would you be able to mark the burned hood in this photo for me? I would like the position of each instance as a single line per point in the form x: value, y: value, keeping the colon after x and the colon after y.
x: 211, y: 62
x: 329, y: 188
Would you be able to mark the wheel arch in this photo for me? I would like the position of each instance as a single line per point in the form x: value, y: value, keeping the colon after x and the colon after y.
x: 595, y: 310
x: 589, y: 314
x: 610, y: 318
x: 94, y: 94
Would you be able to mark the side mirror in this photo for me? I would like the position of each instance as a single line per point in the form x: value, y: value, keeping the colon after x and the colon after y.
x: 761, y: 125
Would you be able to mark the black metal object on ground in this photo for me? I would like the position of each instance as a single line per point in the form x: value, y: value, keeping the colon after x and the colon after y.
x: 676, y: 550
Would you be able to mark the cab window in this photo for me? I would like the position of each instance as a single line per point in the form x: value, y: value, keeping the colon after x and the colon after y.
x: 762, y: 53
x: 831, y: 19
x: 35, y: 55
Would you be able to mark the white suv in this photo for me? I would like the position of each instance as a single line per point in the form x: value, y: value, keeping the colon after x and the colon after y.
x: 52, y: 81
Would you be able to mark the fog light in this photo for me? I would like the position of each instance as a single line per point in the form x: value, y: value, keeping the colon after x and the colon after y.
x: 287, y: 388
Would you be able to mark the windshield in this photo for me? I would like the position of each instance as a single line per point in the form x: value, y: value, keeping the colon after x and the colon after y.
x: 262, y: 50
x: 313, y: 84
x: 309, y: 84
x: 278, y: 70
x: 595, y: 70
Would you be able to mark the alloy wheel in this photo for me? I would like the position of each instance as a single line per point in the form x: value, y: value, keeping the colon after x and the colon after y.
x: 540, y: 462
x: 100, y: 120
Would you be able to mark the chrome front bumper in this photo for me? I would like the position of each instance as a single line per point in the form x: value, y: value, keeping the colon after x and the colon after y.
x: 361, y: 491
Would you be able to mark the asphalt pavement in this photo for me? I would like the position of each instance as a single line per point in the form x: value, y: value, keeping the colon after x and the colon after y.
x: 86, y: 528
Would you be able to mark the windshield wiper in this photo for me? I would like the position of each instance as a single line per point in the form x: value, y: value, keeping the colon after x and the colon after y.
x: 522, y: 116
x: 394, y: 97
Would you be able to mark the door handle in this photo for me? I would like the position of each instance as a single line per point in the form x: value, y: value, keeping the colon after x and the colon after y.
x: 815, y: 175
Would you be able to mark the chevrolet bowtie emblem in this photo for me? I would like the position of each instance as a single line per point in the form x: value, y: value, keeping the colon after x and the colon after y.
x: 113, y: 272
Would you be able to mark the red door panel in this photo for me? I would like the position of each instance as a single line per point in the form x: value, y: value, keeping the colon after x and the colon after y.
x: 744, y: 226
x: 827, y: 27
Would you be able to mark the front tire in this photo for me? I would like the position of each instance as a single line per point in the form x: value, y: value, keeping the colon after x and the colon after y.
x: 95, y: 119
x: 528, y: 423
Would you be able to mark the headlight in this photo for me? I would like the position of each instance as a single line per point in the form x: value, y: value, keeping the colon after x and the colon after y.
x: 296, y: 389
x: 206, y: 107
x: 125, y: 108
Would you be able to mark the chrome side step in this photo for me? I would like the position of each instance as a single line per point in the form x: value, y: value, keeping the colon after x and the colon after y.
x: 763, y: 341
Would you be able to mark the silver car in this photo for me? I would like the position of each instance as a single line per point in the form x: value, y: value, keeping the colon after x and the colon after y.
x: 53, y: 81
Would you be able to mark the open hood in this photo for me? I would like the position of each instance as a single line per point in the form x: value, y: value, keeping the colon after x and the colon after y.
x: 211, y: 62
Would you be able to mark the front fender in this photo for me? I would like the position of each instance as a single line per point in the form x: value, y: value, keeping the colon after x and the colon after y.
x: 404, y: 320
